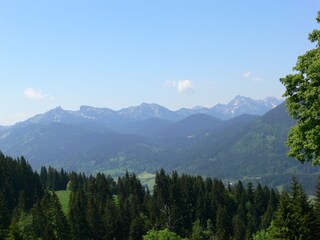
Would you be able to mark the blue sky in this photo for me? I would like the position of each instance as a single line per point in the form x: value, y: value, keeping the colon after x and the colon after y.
x: 117, y: 54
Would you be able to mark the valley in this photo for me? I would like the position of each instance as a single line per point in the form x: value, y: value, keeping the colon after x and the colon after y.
x: 149, y: 137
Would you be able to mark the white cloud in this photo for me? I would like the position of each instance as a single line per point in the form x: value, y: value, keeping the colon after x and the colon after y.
x: 185, y: 86
x: 182, y: 86
x: 249, y: 75
x: 33, y: 94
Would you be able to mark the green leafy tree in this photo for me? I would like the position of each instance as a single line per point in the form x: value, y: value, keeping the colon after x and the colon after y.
x: 161, y: 235
x: 303, y: 101
x: 263, y: 235
x: 201, y: 233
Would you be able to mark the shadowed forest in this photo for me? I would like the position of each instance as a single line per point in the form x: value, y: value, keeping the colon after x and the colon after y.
x: 179, y: 207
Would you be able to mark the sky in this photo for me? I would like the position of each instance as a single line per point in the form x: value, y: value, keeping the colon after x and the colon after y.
x: 116, y: 54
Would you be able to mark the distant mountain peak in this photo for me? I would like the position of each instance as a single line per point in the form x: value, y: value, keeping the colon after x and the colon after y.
x: 85, y: 107
x: 244, y: 105
x: 145, y: 111
x: 149, y: 104
x: 108, y: 117
x: 57, y: 109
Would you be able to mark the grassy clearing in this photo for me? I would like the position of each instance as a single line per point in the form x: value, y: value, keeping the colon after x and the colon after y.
x: 115, y: 172
x: 64, y: 196
x: 147, y: 179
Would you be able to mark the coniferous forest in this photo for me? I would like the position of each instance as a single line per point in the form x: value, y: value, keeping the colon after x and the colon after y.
x: 178, y: 207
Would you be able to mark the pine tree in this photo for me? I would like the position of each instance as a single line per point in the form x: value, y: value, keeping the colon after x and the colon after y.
x: 138, y: 227
x: 161, y: 190
x: 269, y: 213
x: 44, y: 176
x: 59, y: 220
x: 4, y: 217
x: 302, y: 215
x: 295, y: 218
x: 93, y: 211
x: 317, y: 208
x: 223, y: 227
x: 239, y: 222
x: 39, y: 220
x: 77, y: 215
x: 282, y: 223
x: 111, y: 221
x: 103, y: 189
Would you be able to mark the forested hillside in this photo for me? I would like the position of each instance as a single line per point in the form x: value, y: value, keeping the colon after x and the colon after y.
x: 243, y: 148
x: 181, y: 206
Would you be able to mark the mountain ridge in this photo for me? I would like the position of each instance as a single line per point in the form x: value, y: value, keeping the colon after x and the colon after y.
x: 116, y: 119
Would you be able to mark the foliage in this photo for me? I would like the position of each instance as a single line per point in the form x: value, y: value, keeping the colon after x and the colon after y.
x: 201, y: 233
x: 303, y: 101
x: 45, y: 220
x: 264, y: 235
x: 185, y: 206
x: 295, y: 217
x: 53, y: 179
x: 161, y: 235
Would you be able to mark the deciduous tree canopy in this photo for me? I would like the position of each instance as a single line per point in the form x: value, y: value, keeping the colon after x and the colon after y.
x: 303, y: 101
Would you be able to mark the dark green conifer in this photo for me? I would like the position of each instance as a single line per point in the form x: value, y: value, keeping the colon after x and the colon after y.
x: 77, y: 215
x: 4, y: 217
x: 111, y: 221
x: 223, y: 224
x: 295, y: 218
x: 239, y: 222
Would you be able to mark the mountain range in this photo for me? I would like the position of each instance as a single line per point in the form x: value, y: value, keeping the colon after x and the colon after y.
x: 231, y: 141
x: 107, y: 117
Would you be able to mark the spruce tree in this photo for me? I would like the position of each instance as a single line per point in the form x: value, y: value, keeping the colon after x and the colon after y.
x: 239, y: 222
x: 4, y: 217
x: 223, y: 224
x: 59, y: 220
x: 77, y: 215
x: 295, y: 217
x: 269, y: 213
x: 111, y: 221
x: 282, y: 223
x: 317, y: 208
